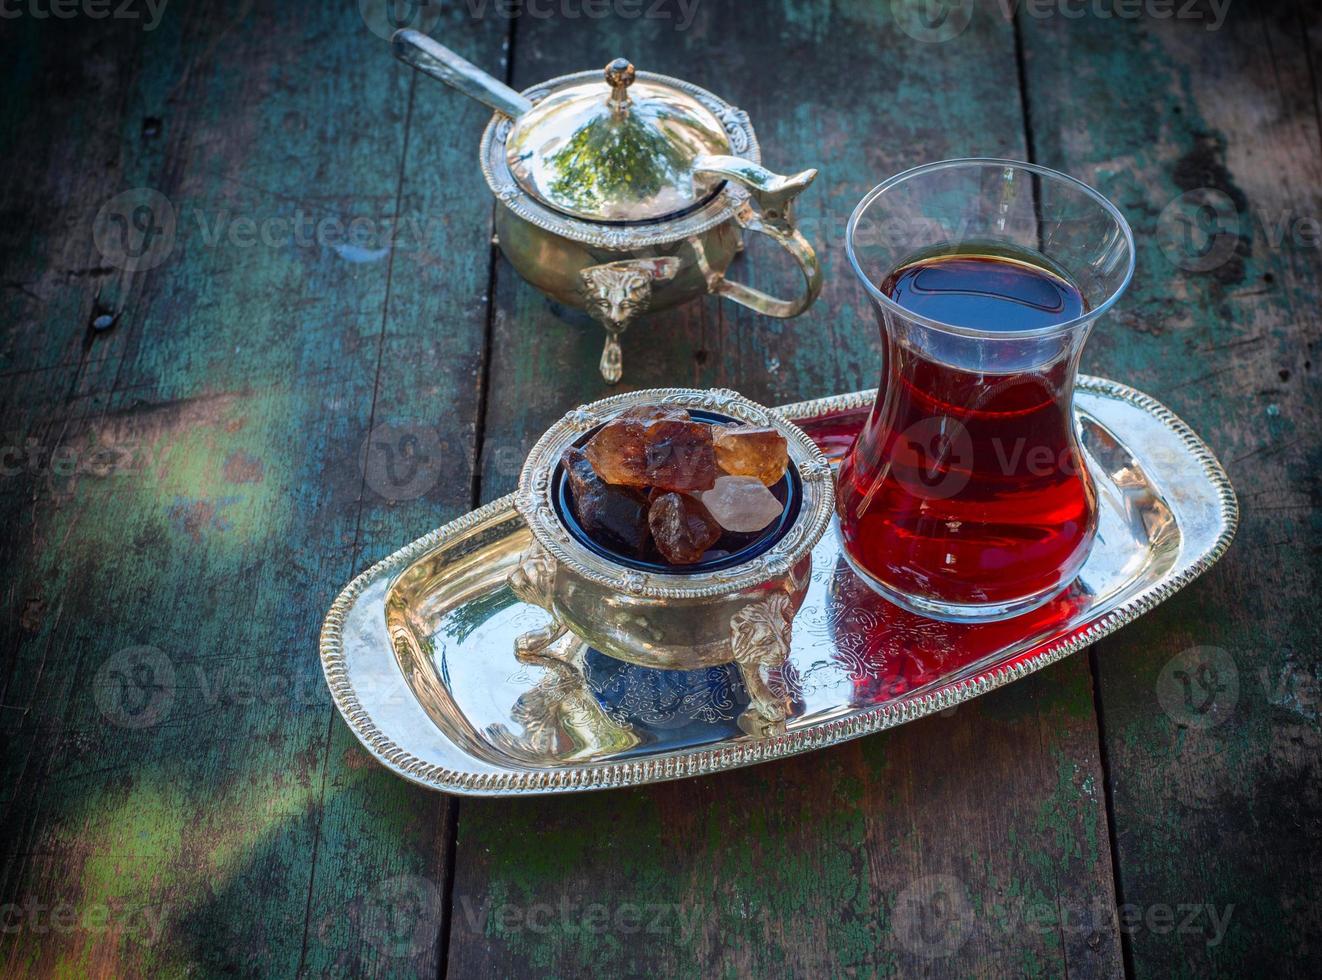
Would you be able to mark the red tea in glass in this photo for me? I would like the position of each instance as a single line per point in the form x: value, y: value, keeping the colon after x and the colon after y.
x: 966, y: 495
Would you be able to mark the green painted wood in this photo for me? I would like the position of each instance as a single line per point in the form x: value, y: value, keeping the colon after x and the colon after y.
x: 221, y: 503
x: 970, y: 844
x: 210, y: 813
x: 1213, y: 755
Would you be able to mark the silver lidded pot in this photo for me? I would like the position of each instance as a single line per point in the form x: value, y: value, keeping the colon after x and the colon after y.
x: 625, y: 191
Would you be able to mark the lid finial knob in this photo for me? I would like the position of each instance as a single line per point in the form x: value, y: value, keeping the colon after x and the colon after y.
x: 619, y: 75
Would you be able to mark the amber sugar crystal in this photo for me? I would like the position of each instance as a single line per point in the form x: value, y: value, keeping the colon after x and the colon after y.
x: 671, y: 452
x: 618, y: 452
x: 653, y: 412
x: 680, y: 455
x: 613, y: 516
x: 682, y: 529
x: 751, y: 451
x: 656, y: 478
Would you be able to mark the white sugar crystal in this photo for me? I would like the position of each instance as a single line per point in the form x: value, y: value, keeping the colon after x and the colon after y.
x: 741, y: 503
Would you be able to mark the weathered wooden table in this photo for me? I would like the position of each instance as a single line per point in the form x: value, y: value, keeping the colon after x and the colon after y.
x: 185, y: 490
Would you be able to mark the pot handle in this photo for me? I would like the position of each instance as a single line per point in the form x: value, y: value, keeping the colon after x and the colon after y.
x: 774, y: 217
x: 417, y: 49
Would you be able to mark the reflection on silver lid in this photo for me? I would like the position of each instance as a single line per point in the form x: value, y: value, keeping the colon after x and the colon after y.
x: 616, y: 149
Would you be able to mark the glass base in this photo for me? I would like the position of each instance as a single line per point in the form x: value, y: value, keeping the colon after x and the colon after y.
x: 952, y: 612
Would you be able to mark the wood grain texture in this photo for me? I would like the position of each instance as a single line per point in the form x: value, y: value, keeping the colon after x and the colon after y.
x: 1213, y: 755
x: 204, y: 809
x: 273, y: 407
x: 974, y: 844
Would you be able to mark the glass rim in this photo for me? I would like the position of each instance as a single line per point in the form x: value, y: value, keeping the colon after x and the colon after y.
x: 1059, y: 328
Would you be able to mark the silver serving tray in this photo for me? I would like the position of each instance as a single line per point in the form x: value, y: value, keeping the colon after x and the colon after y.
x: 419, y: 650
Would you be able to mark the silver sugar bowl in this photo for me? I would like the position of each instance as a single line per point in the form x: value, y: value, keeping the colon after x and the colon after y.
x: 673, y: 619
x: 626, y: 191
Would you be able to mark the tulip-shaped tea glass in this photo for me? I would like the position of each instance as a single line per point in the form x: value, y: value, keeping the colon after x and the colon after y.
x: 966, y: 496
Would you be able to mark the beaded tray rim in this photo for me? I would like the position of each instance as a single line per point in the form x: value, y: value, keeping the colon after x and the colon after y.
x: 695, y: 762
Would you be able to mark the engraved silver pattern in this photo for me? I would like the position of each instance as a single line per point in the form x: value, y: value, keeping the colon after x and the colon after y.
x: 533, y: 500
x: 495, y: 168
x: 358, y: 667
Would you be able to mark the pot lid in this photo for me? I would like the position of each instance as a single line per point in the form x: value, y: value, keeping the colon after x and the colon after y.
x: 617, y: 149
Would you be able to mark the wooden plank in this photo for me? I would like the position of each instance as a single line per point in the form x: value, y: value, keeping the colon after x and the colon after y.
x: 1210, y: 704
x: 201, y: 807
x: 373, y: 910
x: 969, y: 844
x: 64, y: 107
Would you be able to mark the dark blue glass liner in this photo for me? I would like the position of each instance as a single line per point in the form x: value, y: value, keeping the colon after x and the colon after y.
x: 789, y: 491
